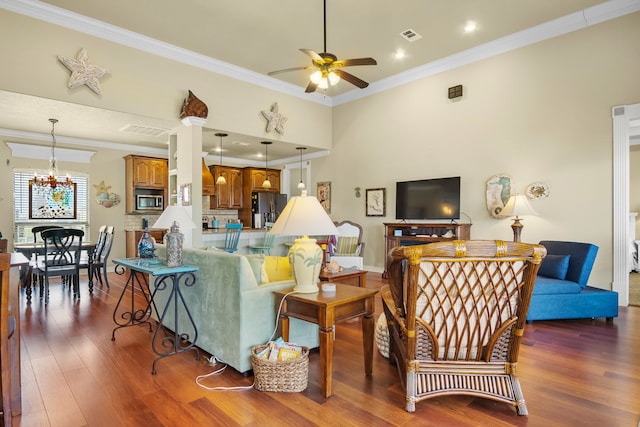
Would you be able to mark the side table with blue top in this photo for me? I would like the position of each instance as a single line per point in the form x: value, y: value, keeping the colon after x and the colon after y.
x: 127, y: 314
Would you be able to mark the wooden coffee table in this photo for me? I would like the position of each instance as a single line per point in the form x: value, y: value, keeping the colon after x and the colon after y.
x: 325, y: 309
x: 348, y: 276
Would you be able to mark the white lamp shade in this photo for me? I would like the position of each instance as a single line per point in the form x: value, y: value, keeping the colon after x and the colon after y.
x: 518, y: 205
x: 303, y: 216
x: 177, y: 214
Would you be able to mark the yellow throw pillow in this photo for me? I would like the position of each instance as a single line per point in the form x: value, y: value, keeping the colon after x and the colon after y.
x: 277, y: 268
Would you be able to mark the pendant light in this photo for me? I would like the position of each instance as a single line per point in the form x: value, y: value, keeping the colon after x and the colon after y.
x: 266, y: 183
x: 301, y: 185
x: 48, y: 184
x: 221, y: 179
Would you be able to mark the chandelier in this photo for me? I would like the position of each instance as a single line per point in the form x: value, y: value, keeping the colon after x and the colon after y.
x: 46, y: 184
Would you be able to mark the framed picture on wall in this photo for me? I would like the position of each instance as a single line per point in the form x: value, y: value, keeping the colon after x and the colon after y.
x: 56, y: 203
x: 376, y: 204
x: 323, y: 193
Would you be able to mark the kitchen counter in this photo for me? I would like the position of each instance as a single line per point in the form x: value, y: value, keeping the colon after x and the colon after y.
x: 248, y: 237
x: 222, y: 230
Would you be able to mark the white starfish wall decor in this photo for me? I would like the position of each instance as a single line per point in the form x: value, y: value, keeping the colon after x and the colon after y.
x: 275, y: 120
x: 83, y: 73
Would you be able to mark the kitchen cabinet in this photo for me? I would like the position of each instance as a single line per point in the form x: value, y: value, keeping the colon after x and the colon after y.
x: 147, y: 173
x: 229, y: 195
x: 252, y: 179
x: 255, y: 178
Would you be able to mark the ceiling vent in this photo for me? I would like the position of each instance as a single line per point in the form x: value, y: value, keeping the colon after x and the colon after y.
x: 144, y: 130
x: 410, y: 35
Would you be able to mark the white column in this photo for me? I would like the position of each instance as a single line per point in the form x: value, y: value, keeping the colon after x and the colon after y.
x: 189, y: 171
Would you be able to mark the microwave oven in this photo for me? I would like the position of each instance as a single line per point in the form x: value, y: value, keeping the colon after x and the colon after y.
x: 149, y: 202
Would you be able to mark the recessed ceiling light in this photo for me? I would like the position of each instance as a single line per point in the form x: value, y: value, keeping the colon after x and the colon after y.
x: 470, y: 27
x: 399, y: 54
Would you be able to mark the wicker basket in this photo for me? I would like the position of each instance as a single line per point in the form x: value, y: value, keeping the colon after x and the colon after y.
x: 285, y: 376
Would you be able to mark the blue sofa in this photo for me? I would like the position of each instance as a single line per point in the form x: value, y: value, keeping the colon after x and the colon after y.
x: 561, y: 290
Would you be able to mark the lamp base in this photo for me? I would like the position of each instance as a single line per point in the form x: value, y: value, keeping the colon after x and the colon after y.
x: 517, y: 226
x: 305, y: 257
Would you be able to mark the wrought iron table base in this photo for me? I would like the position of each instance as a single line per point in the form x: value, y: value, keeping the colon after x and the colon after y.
x: 164, y: 342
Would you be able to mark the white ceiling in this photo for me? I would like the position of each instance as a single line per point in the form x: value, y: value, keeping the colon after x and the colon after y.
x: 263, y: 36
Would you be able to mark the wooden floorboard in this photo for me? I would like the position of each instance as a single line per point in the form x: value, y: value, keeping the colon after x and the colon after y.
x: 573, y: 373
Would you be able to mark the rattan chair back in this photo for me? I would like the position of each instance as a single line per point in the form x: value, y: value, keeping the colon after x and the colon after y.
x: 456, y: 312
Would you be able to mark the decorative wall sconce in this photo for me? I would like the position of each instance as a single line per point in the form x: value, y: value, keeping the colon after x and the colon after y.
x: 357, y: 189
x: 104, y: 198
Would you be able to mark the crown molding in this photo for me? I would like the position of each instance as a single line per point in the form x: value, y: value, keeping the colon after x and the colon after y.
x: 594, y: 15
x: 557, y: 27
x: 7, y: 134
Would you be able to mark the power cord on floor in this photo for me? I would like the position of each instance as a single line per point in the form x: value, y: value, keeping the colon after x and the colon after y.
x: 214, y: 361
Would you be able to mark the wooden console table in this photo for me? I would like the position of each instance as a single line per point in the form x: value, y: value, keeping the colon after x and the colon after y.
x: 325, y: 309
x: 407, y: 234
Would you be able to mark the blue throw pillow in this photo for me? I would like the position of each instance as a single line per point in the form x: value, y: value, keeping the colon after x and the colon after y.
x: 554, y: 266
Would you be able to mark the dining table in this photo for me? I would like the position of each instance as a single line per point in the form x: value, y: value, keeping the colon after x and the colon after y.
x: 30, y: 248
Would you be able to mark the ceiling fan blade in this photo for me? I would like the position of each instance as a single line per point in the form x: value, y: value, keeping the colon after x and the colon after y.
x: 311, y: 87
x: 351, y: 79
x: 286, y: 70
x: 313, y: 55
x: 354, y: 61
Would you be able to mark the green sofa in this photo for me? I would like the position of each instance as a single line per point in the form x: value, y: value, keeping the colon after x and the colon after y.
x: 231, y: 306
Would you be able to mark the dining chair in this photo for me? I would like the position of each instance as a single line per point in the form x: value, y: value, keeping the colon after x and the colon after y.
x: 232, y: 236
x: 62, y: 251
x: 4, y: 244
x: 267, y: 243
x: 87, y: 258
x: 7, y: 328
x: 100, y: 259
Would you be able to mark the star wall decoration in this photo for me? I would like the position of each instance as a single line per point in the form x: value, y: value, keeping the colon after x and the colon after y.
x: 83, y: 73
x: 275, y: 120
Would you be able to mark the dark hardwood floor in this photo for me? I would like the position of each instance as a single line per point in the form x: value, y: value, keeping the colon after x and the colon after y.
x: 573, y: 373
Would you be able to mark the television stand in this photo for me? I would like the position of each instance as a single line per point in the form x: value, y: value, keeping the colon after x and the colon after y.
x: 409, y: 234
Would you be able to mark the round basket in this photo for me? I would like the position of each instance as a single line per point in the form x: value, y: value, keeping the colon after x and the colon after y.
x: 285, y: 376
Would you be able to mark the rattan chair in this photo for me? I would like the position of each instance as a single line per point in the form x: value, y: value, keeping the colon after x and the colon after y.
x: 456, y: 313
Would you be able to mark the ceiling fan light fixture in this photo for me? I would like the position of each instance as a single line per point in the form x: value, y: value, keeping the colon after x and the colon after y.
x: 334, y: 79
x: 316, y: 76
x: 323, y: 84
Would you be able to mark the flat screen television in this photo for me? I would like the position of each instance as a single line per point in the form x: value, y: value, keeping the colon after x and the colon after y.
x: 428, y: 199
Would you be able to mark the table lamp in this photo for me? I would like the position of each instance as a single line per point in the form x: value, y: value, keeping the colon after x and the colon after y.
x: 172, y: 218
x: 302, y: 216
x: 516, y: 206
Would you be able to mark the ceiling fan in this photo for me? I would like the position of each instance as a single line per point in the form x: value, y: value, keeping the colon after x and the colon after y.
x: 328, y: 67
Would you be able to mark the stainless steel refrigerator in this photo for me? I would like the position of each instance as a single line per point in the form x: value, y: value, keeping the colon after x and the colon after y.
x: 266, y: 207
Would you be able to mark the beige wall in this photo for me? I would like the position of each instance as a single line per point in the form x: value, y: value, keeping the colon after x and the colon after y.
x: 148, y: 85
x: 540, y: 113
x: 139, y: 83
x: 634, y: 184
